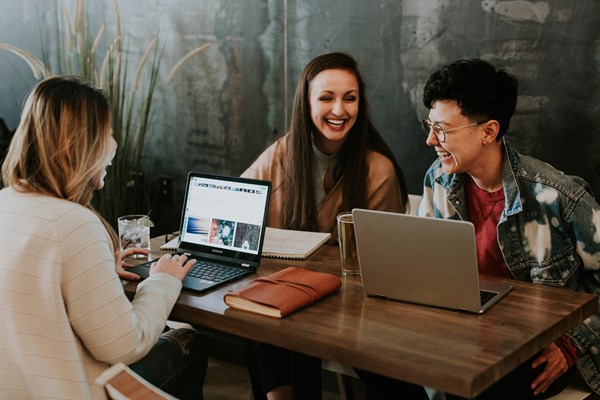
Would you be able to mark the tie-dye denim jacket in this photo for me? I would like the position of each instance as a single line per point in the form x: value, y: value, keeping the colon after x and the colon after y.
x: 549, y: 233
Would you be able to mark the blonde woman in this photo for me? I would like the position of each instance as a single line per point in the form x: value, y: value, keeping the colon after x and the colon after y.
x: 65, y: 317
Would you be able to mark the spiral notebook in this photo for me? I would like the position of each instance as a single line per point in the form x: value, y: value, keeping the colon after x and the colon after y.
x: 286, y: 243
x: 171, y: 244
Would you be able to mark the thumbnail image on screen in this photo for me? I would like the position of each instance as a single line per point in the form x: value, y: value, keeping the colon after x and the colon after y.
x: 221, y: 232
x: 247, y: 236
x: 198, y: 227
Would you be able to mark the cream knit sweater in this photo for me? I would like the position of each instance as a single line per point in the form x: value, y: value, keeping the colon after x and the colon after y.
x: 63, y: 314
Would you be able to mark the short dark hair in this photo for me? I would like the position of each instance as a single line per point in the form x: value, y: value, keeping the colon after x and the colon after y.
x: 480, y: 90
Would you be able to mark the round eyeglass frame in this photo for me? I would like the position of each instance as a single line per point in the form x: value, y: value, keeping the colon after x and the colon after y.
x: 441, y: 133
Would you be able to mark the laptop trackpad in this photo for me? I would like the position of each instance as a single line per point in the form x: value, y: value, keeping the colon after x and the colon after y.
x: 143, y: 270
x: 196, y: 284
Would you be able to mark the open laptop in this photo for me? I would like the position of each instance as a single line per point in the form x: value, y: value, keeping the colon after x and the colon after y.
x: 422, y: 260
x: 223, y: 225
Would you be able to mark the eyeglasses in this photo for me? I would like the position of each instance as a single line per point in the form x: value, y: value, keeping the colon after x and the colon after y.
x: 440, y: 132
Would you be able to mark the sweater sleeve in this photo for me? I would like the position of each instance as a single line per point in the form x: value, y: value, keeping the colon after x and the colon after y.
x: 112, y: 328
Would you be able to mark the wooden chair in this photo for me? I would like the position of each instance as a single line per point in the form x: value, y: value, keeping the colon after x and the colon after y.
x: 575, y: 393
x: 121, y: 383
x: 577, y: 390
x: 413, y: 203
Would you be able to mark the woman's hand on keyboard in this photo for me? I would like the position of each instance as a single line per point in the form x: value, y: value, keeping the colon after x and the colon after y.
x: 176, y: 265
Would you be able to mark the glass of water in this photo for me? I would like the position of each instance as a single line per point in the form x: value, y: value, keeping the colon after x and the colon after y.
x: 348, y: 252
x: 134, y: 232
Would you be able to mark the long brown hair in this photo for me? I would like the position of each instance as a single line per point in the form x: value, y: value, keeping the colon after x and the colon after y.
x: 61, y: 143
x: 300, y: 210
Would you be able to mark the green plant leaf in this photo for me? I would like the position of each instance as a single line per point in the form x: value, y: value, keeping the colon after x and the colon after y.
x: 105, y: 62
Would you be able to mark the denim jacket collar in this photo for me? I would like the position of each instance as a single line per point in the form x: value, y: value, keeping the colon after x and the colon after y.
x: 455, y: 185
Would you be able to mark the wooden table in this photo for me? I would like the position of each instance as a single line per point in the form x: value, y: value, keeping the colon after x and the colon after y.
x: 450, y: 351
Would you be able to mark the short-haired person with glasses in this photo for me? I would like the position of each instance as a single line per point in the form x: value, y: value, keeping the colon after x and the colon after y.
x: 533, y: 223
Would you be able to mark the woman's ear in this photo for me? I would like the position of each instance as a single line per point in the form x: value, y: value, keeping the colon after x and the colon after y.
x: 490, y: 131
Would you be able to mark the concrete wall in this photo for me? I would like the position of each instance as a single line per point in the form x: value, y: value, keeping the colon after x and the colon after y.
x: 230, y: 102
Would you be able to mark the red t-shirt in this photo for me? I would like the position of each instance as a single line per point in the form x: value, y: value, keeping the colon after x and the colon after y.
x: 484, y: 210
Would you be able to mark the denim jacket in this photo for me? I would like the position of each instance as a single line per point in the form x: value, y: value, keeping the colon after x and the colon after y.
x: 549, y: 233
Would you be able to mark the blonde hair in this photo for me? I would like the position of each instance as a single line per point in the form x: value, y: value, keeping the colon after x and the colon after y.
x: 61, y: 143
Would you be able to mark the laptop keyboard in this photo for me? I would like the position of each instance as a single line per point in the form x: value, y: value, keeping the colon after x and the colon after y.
x: 214, y: 273
x: 486, y: 296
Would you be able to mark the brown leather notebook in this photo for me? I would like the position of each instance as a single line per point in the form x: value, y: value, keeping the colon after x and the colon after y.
x: 283, y: 292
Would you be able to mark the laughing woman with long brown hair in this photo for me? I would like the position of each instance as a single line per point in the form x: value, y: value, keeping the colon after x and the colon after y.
x: 332, y: 160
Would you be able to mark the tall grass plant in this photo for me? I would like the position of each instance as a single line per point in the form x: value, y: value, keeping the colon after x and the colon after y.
x: 130, y: 82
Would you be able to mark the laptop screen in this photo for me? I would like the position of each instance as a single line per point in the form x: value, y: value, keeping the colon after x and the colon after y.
x: 224, y: 216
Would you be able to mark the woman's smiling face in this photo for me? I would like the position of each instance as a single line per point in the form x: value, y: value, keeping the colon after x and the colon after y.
x: 333, y: 100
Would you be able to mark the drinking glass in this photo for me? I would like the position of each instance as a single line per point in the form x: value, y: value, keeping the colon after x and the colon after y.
x: 348, y: 253
x: 134, y: 231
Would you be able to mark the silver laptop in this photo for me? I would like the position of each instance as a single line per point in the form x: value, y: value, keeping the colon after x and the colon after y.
x: 223, y: 226
x: 422, y: 260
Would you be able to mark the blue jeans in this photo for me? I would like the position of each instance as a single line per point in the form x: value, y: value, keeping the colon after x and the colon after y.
x: 176, y: 364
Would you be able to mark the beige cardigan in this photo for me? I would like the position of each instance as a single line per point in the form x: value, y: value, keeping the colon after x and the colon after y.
x: 64, y: 315
x: 383, y: 191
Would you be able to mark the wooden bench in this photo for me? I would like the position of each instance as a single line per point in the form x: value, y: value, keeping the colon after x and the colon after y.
x: 577, y: 390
